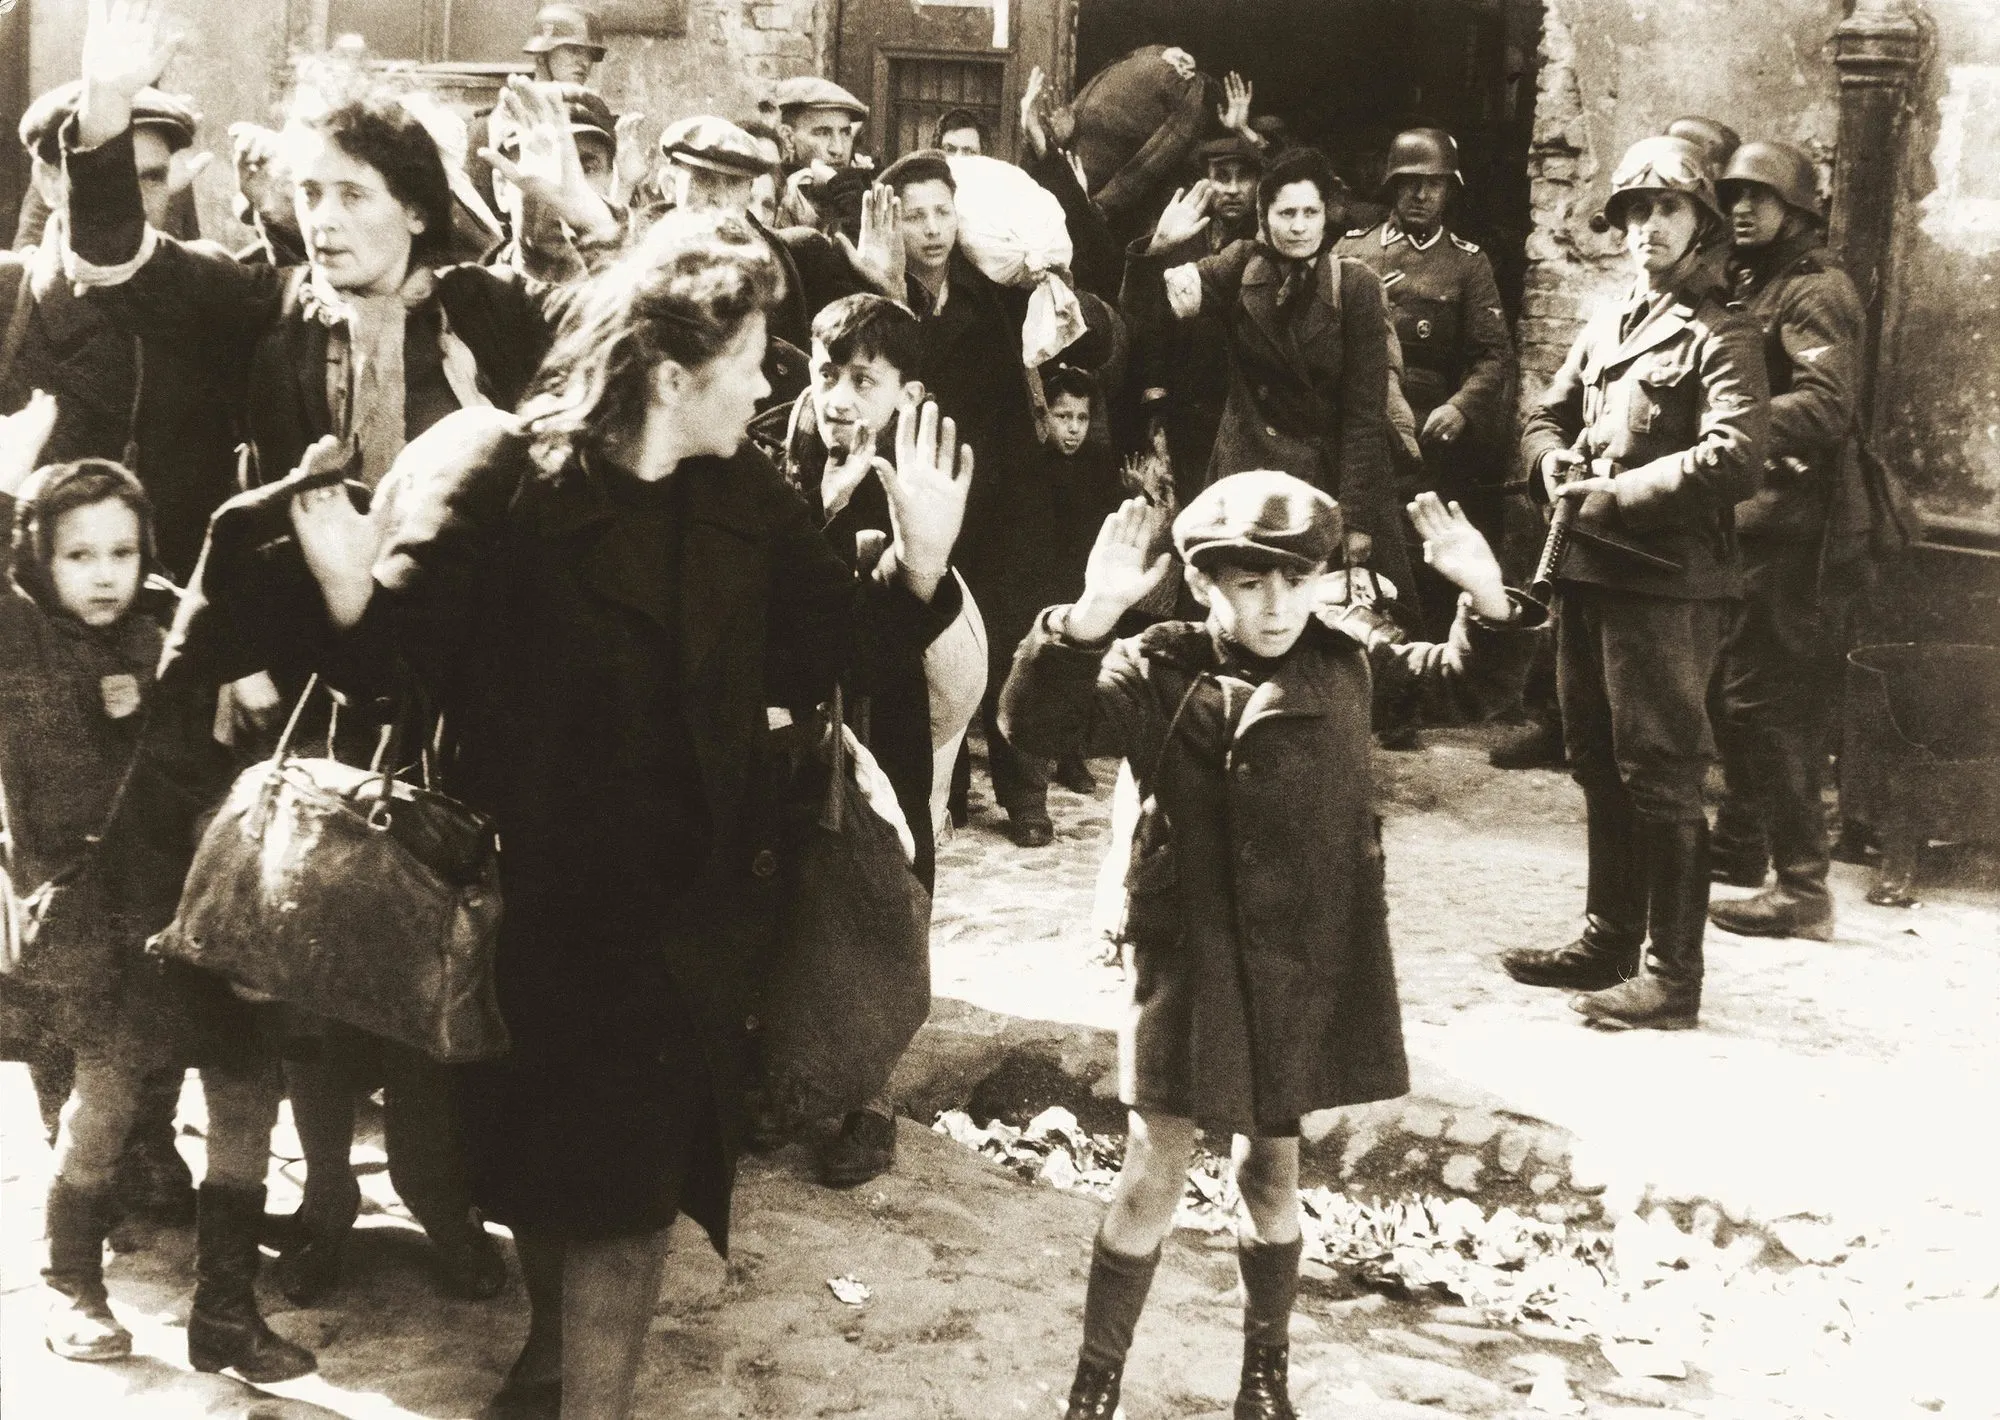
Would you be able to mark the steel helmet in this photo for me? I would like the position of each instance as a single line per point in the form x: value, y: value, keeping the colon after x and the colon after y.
x: 1787, y: 170
x: 558, y: 25
x: 1422, y: 152
x: 1663, y: 164
x: 1716, y: 139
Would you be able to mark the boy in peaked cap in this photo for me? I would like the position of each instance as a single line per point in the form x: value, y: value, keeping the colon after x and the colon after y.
x: 1255, y: 925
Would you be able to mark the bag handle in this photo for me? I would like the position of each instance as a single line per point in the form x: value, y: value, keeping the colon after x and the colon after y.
x: 832, y: 814
x: 383, y: 762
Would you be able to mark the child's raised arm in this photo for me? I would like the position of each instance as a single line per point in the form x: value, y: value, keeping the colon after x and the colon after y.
x: 1457, y: 552
x: 1120, y: 574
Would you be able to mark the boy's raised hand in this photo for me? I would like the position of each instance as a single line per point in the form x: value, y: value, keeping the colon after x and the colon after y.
x: 1122, y: 571
x: 879, y: 257
x: 1456, y: 551
x: 927, y: 489
x: 22, y: 435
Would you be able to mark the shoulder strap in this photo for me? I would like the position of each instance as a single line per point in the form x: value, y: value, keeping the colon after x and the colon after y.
x: 17, y: 324
x: 1173, y: 724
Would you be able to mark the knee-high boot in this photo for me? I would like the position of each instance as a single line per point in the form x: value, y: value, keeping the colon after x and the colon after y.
x: 1798, y: 904
x: 1614, y: 907
x: 225, y: 1330
x: 1667, y: 994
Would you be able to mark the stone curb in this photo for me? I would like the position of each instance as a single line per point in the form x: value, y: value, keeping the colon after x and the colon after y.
x: 1443, y: 1137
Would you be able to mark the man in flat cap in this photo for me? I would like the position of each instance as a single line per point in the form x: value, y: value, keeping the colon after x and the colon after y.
x: 162, y: 125
x: 539, y: 246
x: 824, y: 175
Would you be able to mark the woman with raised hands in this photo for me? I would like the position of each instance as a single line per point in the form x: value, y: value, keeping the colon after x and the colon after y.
x: 603, y: 595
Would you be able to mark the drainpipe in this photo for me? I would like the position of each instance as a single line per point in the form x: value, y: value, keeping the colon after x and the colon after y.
x: 1878, y: 51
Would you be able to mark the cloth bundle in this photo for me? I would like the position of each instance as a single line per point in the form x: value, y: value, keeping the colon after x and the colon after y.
x: 1012, y: 229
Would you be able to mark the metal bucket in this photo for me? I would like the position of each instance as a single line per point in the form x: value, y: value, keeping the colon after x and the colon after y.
x: 1920, y: 751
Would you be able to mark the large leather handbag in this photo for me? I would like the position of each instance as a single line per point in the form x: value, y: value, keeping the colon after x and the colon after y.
x: 352, y: 894
x: 851, y: 982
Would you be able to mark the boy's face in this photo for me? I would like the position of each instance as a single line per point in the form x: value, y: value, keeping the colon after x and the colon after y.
x: 1069, y: 421
x: 930, y: 224
x: 96, y: 560
x: 1264, y: 611
x: 853, y: 402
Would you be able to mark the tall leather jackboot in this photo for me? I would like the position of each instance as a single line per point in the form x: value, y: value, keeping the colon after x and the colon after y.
x: 80, y: 1324
x: 1667, y: 994
x: 225, y: 1330
x: 1740, y: 853
x: 1614, y: 909
x: 1798, y: 904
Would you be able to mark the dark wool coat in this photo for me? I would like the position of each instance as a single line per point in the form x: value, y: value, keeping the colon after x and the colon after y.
x: 895, y: 722
x: 1682, y: 406
x: 111, y: 386
x: 605, y: 715
x: 971, y: 365
x: 1262, y: 982
x: 1811, y: 320
x: 62, y: 754
x: 1181, y: 366
x: 258, y: 330
x: 1308, y: 387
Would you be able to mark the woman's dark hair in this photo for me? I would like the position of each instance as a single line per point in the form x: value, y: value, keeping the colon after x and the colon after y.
x: 56, y: 489
x: 954, y: 119
x: 924, y: 165
x: 1300, y: 165
x: 370, y: 123
x: 866, y: 326
x: 683, y: 294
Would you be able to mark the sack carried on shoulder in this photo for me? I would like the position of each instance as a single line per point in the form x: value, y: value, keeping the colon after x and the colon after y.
x: 352, y: 894
x: 852, y: 979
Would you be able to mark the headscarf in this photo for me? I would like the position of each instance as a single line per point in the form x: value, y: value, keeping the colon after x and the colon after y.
x: 54, y: 490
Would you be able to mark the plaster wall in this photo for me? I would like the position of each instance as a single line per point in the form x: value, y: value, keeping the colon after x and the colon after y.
x: 1614, y: 71
x: 1937, y: 405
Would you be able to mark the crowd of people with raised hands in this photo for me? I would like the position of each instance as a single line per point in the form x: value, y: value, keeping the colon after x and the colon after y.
x: 613, y: 466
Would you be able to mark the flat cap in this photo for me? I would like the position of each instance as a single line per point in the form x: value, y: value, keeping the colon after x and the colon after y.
x: 1261, y: 518
x: 811, y: 91
x: 716, y: 144
x: 41, y: 125
x: 1229, y: 145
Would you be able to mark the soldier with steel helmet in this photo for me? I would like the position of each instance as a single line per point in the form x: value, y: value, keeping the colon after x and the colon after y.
x: 567, y: 44
x: 1780, y: 664
x: 1458, y: 361
x: 1654, y: 429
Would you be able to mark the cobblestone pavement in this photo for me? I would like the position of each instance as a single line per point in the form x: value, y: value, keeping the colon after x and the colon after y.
x: 1841, y: 1080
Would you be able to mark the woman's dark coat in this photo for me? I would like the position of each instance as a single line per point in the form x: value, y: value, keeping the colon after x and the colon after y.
x: 258, y: 330
x: 1308, y: 385
x: 601, y: 714
x: 1262, y: 982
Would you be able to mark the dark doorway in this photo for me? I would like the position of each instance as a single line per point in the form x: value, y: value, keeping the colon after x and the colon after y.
x: 1347, y: 75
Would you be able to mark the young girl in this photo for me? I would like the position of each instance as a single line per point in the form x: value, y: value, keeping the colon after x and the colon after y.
x: 1262, y: 985
x: 99, y: 778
